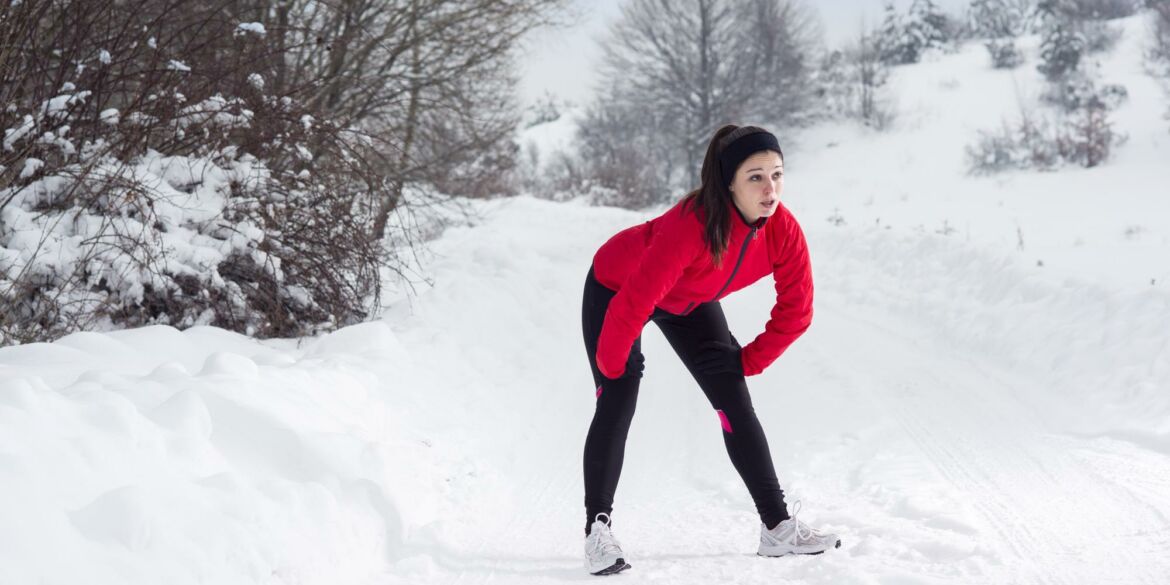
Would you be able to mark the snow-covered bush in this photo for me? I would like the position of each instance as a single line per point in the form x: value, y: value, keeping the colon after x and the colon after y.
x: 1004, y: 54
x: 1030, y: 143
x: 157, y: 182
x: 1078, y: 91
x: 1061, y: 50
x: 1083, y: 136
x: 1088, y: 138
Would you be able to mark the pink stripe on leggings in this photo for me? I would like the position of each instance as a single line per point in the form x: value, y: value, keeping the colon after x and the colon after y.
x: 598, y: 395
x: 723, y: 421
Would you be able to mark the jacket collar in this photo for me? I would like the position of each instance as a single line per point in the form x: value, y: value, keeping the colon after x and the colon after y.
x: 742, y: 221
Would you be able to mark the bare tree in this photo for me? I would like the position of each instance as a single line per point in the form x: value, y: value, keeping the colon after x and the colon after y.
x: 431, y: 80
x: 675, y: 71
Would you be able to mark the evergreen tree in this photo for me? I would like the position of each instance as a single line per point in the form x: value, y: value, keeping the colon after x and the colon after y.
x: 926, y: 26
x: 895, y: 47
x: 998, y: 19
x: 903, y: 39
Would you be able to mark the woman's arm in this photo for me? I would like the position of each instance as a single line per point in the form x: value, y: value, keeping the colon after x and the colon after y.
x: 792, y: 313
x: 676, y: 242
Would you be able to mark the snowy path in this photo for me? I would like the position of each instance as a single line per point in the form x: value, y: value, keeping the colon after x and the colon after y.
x: 925, y: 458
x: 937, y: 475
x: 933, y: 417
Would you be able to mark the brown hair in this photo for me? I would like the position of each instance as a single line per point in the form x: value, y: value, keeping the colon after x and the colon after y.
x: 713, y: 193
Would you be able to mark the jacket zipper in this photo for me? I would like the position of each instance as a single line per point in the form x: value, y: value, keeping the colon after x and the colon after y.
x: 742, y: 251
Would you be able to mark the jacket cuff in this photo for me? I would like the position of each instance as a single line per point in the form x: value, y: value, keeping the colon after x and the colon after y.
x: 745, y: 362
x: 612, y: 374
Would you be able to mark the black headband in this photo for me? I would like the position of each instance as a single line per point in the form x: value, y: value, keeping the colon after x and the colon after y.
x: 744, y: 146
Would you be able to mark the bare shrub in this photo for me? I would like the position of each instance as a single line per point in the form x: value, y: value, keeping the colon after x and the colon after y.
x: 1083, y: 137
x: 624, y: 156
x: 852, y: 83
x: 1078, y: 91
x: 1030, y: 143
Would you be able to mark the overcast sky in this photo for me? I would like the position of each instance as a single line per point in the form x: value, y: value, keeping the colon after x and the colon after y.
x: 562, y: 61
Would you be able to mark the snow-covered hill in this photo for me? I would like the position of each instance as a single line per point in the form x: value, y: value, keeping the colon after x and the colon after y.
x: 958, y: 413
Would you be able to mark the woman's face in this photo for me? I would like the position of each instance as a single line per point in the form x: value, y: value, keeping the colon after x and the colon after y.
x: 757, y: 185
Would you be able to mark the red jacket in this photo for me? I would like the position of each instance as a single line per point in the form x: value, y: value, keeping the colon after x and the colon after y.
x: 665, y: 263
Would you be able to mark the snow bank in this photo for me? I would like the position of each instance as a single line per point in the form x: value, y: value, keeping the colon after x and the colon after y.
x: 155, y: 455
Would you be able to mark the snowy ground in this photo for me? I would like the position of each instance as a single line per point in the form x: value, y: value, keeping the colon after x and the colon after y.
x: 957, y: 413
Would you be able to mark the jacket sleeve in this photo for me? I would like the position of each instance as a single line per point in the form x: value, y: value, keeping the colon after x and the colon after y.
x: 676, y: 242
x: 792, y: 314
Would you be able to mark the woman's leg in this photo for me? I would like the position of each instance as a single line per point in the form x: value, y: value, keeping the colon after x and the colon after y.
x: 605, y: 446
x: 691, y: 336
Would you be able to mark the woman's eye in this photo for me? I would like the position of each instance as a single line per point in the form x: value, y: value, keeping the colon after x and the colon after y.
x: 777, y: 175
x: 754, y: 178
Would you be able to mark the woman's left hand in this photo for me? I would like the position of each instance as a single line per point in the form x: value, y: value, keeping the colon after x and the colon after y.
x: 719, y: 357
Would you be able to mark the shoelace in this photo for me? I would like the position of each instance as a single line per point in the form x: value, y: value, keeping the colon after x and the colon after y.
x: 605, y: 545
x: 800, y: 530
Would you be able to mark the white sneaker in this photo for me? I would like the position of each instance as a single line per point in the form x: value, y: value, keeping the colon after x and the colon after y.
x: 603, y: 554
x: 793, y: 537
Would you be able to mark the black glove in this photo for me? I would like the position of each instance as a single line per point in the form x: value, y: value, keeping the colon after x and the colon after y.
x: 719, y: 357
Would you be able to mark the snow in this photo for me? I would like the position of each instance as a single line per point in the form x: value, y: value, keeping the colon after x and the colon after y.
x: 252, y: 27
x: 31, y: 166
x: 958, y: 413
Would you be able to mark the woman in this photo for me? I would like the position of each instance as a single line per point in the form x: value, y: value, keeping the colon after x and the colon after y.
x: 672, y: 270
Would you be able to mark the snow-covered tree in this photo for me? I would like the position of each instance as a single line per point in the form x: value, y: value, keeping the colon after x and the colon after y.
x: 852, y: 83
x: 998, y: 19
x: 1158, y: 53
x: 1061, y: 49
x: 927, y: 25
x: 895, y: 46
x: 903, y: 39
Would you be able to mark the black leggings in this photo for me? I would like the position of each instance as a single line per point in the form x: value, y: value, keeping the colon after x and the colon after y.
x: 727, y: 393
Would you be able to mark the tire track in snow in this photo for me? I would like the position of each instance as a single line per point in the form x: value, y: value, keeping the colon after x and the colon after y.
x: 1053, y: 514
x: 538, y: 504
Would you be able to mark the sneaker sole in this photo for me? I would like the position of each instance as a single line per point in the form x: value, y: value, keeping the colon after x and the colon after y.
x: 614, y: 569
x: 778, y: 553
